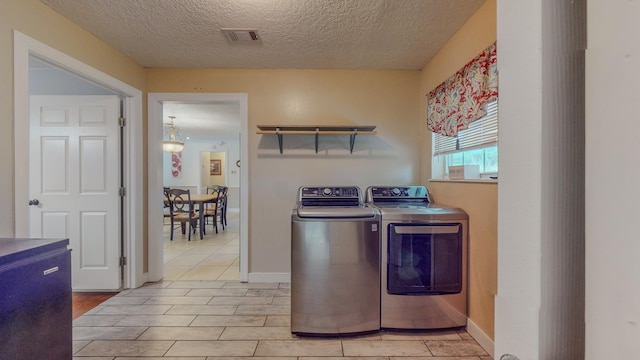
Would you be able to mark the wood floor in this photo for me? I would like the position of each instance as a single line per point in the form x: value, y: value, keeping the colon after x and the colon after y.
x: 83, y: 302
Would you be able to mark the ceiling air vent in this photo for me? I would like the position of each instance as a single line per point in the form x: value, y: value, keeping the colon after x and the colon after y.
x: 241, y: 34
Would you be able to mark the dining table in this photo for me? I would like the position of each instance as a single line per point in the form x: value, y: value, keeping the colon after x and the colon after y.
x: 201, y: 200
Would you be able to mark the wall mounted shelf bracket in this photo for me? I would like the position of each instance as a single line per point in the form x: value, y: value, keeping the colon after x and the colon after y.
x: 352, y: 131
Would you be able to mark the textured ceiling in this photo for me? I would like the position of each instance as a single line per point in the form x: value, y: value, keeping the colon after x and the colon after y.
x: 206, y: 121
x: 294, y: 34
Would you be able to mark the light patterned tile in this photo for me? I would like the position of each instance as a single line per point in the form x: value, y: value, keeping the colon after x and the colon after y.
x: 202, y: 310
x: 204, y: 272
x: 196, y: 284
x: 187, y: 259
x: 157, y: 284
x: 125, y: 348
x: 347, y: 358
x: 182, y: 333
x: 134, y: 309
x: 299, y: 348
x: 256, y: 333
x: 159, y: 358
x: 174, y: 272
x: 421, y: 335
x: 241, y: 285
x: 241, y: 300
x: 465, y: 335
x: 434, y: 358
x: 217, y: 292
x: 278, y: 320
x: 126, y: 300
x: 263, y: 310
x: 156, y: 320
x: 374, y: 336
x: 220, y: 259
x: 77, y: 345
x: 231, y: 273
x: 95, y: 358
x: 269, y: 292
x: 233, y: 320
x: 207, y: 249
x: 233, y: 249
x: 97, y: 320
x: 257, y: 357
x: 385, y: 348
x: 154, y: 292
x: 179, y: 300
x: 281, y: 300
x: 107, y: 332
x: 455, y: 348
x: 213, y: 348
x: 95, y: 310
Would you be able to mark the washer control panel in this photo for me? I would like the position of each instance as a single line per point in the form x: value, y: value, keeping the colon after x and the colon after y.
x: 327, y: 191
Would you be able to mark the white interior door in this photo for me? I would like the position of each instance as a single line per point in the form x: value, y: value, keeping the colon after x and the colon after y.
x: 73, y: 173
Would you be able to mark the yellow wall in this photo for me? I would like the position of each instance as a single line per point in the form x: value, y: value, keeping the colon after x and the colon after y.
x: 386, y: 99
x: 480, y: 201
x: 43, y: 24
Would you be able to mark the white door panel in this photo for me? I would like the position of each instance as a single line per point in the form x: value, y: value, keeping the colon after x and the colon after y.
x: 73, y: 172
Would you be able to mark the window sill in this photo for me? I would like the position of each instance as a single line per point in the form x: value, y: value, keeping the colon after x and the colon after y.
x: 476, y: 181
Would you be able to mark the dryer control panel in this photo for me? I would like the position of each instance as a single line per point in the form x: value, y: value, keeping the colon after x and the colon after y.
x: 399, y: 192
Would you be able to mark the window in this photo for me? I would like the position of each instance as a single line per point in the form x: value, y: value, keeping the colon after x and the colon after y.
x: 477, y: 145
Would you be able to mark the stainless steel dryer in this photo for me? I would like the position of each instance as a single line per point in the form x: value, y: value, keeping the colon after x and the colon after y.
x: 424, y: 259
x: 335, y: 262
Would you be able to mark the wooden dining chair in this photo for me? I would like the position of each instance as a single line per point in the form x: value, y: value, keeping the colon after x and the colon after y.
x: 214, y: 210
x: 166, y: 213
x: 223, y: 216
x: 182, y: 210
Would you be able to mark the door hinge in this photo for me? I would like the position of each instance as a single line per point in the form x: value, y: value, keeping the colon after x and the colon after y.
x: 122, y: 191
x: 123, y: 261
x: 122, y: 121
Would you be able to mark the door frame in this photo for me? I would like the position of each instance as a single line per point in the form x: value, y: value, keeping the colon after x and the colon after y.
x: 154, y: 158
x: 133, y: 216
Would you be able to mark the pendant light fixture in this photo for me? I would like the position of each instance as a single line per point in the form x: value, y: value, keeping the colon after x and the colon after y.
x: 172, y: 140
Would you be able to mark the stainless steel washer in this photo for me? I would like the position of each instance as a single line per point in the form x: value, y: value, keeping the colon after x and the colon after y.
x: 335, y: 262
x: 424, y: 259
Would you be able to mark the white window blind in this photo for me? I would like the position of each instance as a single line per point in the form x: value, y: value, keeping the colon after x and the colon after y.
x: 480, y: 133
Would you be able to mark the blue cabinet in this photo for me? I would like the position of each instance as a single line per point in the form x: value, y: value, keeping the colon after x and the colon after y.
x: 35, y: 299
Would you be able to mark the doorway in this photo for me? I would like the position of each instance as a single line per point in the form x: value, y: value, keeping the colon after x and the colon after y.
x: 25, y: 48
x: 159, y: 103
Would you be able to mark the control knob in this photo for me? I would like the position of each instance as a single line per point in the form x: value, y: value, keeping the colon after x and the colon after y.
x: 326, y: 191
x: 396, y: 191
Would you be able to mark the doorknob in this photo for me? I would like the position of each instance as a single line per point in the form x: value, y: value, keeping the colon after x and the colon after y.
x: 34, y: 202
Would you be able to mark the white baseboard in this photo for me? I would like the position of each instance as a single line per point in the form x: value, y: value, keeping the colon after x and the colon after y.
x: 485, y: 341
x: 269, y: 277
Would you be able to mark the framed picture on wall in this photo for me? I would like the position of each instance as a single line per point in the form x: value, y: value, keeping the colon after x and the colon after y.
x: 215, y: 167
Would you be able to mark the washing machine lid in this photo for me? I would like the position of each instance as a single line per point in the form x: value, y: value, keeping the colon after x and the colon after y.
x: 410, y: 203
x: 424, y: 212
x: 333, y: 212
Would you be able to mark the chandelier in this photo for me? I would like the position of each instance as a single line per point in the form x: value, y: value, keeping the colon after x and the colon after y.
x: 172, y: 140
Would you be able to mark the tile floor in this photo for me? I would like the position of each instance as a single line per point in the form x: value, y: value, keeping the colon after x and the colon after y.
x: 215, y: 257
x: 201, y: 312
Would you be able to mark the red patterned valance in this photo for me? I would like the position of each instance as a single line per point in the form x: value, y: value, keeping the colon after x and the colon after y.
x: 462, y: 98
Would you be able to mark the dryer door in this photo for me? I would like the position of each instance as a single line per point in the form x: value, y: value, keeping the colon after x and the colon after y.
x: 424, y: 259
